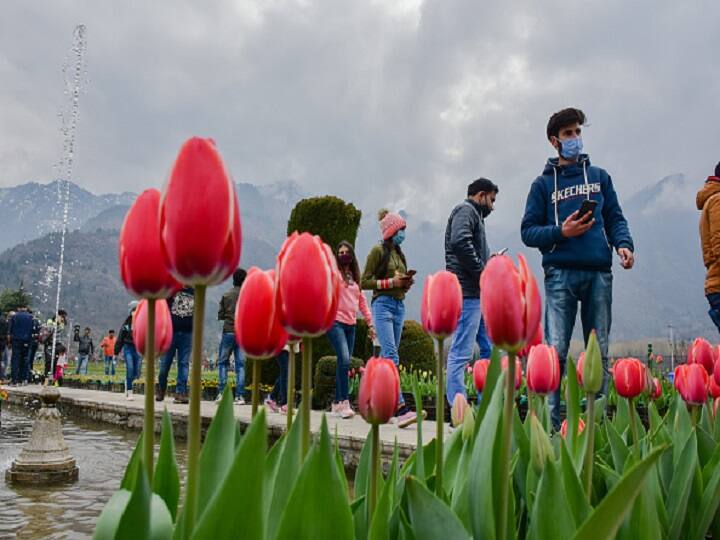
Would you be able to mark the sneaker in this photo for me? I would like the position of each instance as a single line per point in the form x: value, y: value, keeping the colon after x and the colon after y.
x: 283, y: 409
x: 129, y: 395
x: 346, y: 411
x: 408, y: 418
x: 181, y: 398
x: 239, y: 401
x: 336, y: 409
x: 160, y: 395
x: 218, y: 398
x: 270, y: 404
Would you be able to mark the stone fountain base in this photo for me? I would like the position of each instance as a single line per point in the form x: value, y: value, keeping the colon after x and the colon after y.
x: 45, y: 458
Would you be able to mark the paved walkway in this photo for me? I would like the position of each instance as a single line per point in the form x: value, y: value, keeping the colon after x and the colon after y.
x: 114, y: 408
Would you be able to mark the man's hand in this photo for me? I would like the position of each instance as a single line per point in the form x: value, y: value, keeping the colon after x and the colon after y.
x: 627, y: 258
x: 577, y: 226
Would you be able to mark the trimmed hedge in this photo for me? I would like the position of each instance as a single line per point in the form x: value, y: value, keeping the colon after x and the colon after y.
x: 416, y: 351
x: 324, y: 380
x: 331, y: 218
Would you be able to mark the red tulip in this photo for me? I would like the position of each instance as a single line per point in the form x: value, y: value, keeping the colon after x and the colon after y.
x: 701, y: 352
x: 510, y: 303
x: 163, y: 327
x: 713, y: 388
x: 441, y: 304
x: 258, y: 331
x: 537, y: 340
x: 659, y: 359
x: 307, y: 285
x: 480, y: 369
x: 564, y: 427
x: 655, y: 389
x: 543, y: 369
x: 379, y: 390
x: 579, y: 368
x: 629, y: 377
x: 518, y: 370
x: 691, y: 381
x: 142, y: 267
x: 199, y: 217
x: 716, y: 370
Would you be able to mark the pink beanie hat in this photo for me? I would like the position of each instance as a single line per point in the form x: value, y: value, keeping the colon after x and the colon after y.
x: 390, y: 223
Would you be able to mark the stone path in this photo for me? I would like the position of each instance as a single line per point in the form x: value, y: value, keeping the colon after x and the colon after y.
x: 114, y: 408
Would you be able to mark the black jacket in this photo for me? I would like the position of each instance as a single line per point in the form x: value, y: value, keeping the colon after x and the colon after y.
x: 226, y: 312
x: 466, y: 249
x: 85, y: 344
x: 125, y: 336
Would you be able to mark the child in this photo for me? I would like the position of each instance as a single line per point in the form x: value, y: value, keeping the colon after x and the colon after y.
x: 60, y: 365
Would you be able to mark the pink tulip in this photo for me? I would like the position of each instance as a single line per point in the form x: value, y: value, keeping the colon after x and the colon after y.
x: 258, y: 331
x: 307, y: 285
x: 629, y: 376
x: 655, y: 389
x: 379, y: 391
x: 713, y: 388
x: 199, y: 217
x: 579, y: 368
x: 459, y: 408
x: 701, y: 352
x: 142, y: 266
x: 564, y: 427
x: 518, y: 370
x: 510, y: 303
x: 480, y: 369
x: 543, y: 370
x: 537, y: 340
x: 163, y: 327
x: 441, y: 304
x: 691, y: 381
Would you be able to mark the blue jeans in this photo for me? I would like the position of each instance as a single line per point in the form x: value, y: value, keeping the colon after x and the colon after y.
x: 389, y: 315
x: 714, y: 312
x: 82, y: 364
x: 229, y: 345
x: 133, y: 366
x: 181, y: 343
x: 563, y: 289
x: 470, y: 330
x: 342, y: 339
x: 20, y: 361
x: 279, y: 391
x: 109, y: 363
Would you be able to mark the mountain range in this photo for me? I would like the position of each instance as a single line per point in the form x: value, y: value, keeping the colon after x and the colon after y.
x: 665, y: 287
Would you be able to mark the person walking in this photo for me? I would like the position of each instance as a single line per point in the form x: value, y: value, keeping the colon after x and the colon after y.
x: 181, y: 310
x: 86, y: 349
x: 466, y: 254
x: 277, y: 399
x: 126, y: 346
x: 4, y: 348
x: 708, y: 203
x: 54, y: 329
x: 573, y: 217
x: 387, y: 275
x: 108, y: 348
x: 226, y: 313
x: 342, y: 334
x: 20, y: 335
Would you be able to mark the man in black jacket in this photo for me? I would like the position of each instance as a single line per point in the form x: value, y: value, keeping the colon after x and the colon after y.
x: 226, y: 313
x: 20, y: 336
x: 466, y: 254
x: 86, y: 349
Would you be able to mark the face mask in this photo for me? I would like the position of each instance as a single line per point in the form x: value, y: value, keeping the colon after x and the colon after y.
x: 345, y: 259
x: 399, y: 237
x: 570, y: 148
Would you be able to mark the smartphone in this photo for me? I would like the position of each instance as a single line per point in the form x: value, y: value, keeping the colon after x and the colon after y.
x: 411, y: 272
x: 588, y: 205
x: 503, y: 251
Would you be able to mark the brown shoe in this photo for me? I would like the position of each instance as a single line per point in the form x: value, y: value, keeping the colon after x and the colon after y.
x: 181, y: 398
x: 160, y: 395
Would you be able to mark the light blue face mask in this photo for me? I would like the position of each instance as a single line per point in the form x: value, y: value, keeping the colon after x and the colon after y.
x: 570, y: 148
x: 399, y: 237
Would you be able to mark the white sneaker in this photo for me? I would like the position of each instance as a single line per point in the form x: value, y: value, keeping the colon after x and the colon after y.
x: 336, y: 409
x: 346, y: 412
x: 239, y: 401
x: 129, y: 395
x: 218, y: 398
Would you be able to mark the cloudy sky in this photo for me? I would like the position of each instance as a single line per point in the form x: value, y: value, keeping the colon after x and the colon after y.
x: 384, y: 102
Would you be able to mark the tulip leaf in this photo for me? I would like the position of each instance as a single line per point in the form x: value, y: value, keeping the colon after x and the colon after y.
x: 223, y: 517
x: 362, y: 473
x: 288, y: 468
x: 128, y: 481
x: 166, y: 480
x: 379, y: 529
x: 710, y: 500
x: 609, y: 515
x: 430, y: 517
x: 135, y: 520
x: 453, y: 450
x: 682, y: 427
x: 420, y: 459
x: 681, y: 486
x: 459, y: 495
x: 574, y: 493
x: 618, y: 448
x: 551, y: 516
x: 272, y: 462
x: 572, y: 406
x: 318, y: 506
x: 483, y: 478
x: 644, y: 521
x: 706, y: 446
x: 491, y: 377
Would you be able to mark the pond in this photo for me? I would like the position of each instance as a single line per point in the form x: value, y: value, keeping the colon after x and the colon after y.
x: 64, y: 511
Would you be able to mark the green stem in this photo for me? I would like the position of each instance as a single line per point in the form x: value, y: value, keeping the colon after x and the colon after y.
x: 694, y: 412
x: 306, y: 390
x: 440, y: 417
x: 374, y: 470
x: 193, y: 445
x: 291, y: 386
x: 255, y: 385
x: 505, y: 448
x: 149, y: 427
x: 633, y: 424
x: 590, y: 427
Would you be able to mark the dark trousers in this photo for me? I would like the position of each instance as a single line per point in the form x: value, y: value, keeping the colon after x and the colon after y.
x: 20, y: 363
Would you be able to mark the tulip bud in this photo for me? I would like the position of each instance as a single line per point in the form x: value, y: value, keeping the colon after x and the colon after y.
x: 163, y: 326
x: 379, y: 391
x: 629, y: 377
x: 592, y: 369
x: 459, y: 408
x: 540, y: 447
x: 655, y: 389
x: 564, y: 427
x: 441, y: 304
x: 579, y: 369
x: 543, y: 370
x: 518, y: 370
x: 480, y: 369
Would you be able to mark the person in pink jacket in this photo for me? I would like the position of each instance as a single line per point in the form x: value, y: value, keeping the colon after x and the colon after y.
x: 342, y: 333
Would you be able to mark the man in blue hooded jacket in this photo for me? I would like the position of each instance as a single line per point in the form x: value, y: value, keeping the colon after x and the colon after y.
x: 576, y: 249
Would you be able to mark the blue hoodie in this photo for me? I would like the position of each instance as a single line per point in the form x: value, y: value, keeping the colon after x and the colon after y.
x: 559, y: 192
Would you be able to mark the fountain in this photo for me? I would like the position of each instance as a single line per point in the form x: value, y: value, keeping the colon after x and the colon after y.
x: 45, y: 458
